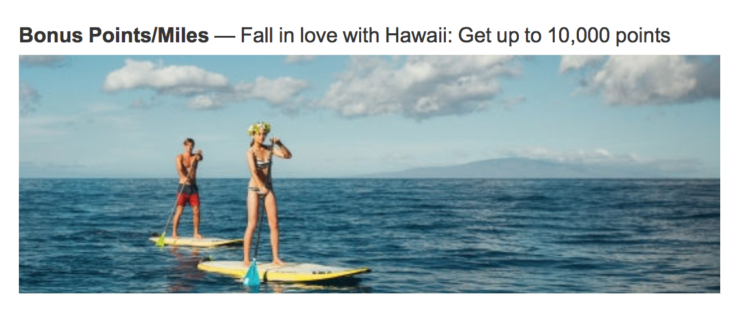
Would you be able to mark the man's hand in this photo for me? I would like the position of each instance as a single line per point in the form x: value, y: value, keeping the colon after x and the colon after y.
x: 198, y: 155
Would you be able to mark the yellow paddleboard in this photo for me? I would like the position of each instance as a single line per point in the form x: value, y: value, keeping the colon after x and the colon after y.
x: 205, y: 242
x: 290, y: 272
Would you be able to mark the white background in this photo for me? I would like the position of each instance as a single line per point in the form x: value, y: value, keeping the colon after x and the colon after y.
x: 697, y: 27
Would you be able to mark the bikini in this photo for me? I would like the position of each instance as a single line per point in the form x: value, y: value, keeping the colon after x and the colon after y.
x: 260, y: 165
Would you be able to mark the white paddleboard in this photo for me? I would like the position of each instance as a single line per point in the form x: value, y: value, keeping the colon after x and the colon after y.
x: 290, y: 272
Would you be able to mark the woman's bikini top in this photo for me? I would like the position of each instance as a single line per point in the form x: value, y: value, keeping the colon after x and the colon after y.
x: 263, y: 164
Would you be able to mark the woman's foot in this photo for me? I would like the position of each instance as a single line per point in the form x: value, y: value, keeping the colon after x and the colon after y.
x: 246, y: 263
x: 278, y: 262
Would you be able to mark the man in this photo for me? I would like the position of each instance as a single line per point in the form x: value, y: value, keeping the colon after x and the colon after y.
x: 187, y: 166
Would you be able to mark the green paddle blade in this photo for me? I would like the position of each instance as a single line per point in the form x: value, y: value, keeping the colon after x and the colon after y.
x: 161, y: 241
x: 252, y: 276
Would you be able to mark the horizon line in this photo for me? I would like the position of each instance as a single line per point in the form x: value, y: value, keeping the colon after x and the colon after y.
x: 393, y: 178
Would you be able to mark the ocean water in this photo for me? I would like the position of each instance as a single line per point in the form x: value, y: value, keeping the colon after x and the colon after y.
x: 420, y: 235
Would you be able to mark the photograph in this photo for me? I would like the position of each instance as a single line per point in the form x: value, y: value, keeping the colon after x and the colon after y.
x: 369, y: 173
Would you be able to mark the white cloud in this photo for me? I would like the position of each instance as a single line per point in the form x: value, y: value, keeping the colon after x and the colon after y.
x: 276, y: 91
x: 297, y: 59
x: 28, y: 97
x: 204, y: 102
x: 509, y: 103
x: 420, y: 88
x: 41, y: 60
x: 655, y: 80
x: 207, y: 90
x: 577, y: 62
x: 176, y: 80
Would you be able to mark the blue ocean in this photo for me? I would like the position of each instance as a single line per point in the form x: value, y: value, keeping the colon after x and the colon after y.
x: 419, y: 235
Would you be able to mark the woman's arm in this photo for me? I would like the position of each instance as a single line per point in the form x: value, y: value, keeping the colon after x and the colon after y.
x: 283, y: 152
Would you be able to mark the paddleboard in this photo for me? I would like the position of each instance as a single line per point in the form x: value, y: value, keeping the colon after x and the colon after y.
x: 205, y: 242
x: 290, y: 272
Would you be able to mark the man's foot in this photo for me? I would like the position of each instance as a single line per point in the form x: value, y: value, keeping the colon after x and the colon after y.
x: 246, y: 263
x: 198, y: 237
x: 174, y: 236
x: 278, y: 262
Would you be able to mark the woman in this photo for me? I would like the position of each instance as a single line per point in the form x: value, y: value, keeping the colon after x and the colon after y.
x: 259, y: 187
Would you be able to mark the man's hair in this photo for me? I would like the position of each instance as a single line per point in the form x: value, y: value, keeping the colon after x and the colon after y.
x: 189, y: 140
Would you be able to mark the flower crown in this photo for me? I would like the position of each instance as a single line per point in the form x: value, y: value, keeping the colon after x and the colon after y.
x: 257, y: 127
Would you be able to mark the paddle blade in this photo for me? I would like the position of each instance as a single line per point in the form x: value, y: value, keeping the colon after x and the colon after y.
x: 252, y: 276
x: 161, y: 241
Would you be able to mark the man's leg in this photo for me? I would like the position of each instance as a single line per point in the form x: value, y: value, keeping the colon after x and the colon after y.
x: 176, y: 221
x: 196, y: 223
x: 195, y: 203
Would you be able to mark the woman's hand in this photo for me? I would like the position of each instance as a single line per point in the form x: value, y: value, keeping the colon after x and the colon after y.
x: 275, y: 141
x: 264, y: 191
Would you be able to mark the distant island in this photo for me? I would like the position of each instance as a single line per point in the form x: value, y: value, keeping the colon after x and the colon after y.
x: 523, y: 168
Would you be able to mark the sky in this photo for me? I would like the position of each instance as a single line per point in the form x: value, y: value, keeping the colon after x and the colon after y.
x: 341, y: 116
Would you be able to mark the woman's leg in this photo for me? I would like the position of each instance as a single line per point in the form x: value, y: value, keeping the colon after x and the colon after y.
x: 252, y: 200
x: 272, y: 215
